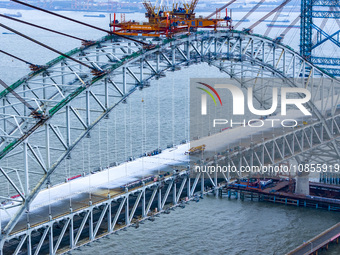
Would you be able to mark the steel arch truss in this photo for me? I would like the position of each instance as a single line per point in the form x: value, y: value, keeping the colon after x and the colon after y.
x: 310, y: 143
x: 74, y: 101
x: 129, y: 208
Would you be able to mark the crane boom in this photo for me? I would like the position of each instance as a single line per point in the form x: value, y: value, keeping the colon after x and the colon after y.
x: 193, y: 6
x: 148, y: 6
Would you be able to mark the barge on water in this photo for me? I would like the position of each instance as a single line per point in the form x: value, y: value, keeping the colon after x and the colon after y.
x: 282, y: 26
x: 94, y: 16
x: 13, y: 15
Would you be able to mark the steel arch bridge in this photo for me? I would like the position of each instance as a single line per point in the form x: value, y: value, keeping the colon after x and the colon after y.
x: 75, y: 101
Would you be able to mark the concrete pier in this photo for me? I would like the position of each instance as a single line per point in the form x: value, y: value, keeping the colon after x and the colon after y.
x: 302, y: 183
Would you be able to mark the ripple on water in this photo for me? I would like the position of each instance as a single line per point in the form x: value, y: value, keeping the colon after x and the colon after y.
x: 221, y: 226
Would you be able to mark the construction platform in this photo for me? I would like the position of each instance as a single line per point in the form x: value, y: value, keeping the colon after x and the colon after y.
x: 323, y: 196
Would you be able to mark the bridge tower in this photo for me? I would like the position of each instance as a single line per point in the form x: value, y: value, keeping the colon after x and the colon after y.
x: 311, y: 10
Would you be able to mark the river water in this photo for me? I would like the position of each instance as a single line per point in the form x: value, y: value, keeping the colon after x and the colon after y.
x: 212, y: 226
x: 220, y: 226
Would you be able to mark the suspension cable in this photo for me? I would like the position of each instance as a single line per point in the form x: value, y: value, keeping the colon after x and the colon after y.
x: 220, y: 9
x: 249, y: 13
x: 269, y: 14
x: 15, y: 57
x: 269, y: 28
x: 79, y: 22
x: 44, y: 28
x: 46, y: 46
x: 291, y: 25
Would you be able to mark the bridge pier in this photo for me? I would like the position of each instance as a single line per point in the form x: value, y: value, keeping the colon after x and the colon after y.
x: 302, y: 183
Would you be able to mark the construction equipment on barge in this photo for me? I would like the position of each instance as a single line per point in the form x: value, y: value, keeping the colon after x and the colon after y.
x: 163, y: 22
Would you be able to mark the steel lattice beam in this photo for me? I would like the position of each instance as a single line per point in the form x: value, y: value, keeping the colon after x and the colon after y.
x: 71, y: 94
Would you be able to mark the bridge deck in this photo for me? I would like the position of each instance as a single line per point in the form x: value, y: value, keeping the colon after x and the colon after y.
x: 56, y: 201
x: 318, y: 242
x: 77, y: 194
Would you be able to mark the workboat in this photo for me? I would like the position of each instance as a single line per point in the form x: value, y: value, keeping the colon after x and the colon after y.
x: 283, y: 26
x: 94, y: 16
x: 17, y: 15
x: 280, y: 21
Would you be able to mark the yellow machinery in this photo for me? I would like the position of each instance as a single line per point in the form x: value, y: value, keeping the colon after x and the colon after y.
x: 195, y: 150
x: 164, y: 22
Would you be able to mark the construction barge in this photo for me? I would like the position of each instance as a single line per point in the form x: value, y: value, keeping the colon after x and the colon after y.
x: 280, y: 190
x: 166, y: 21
